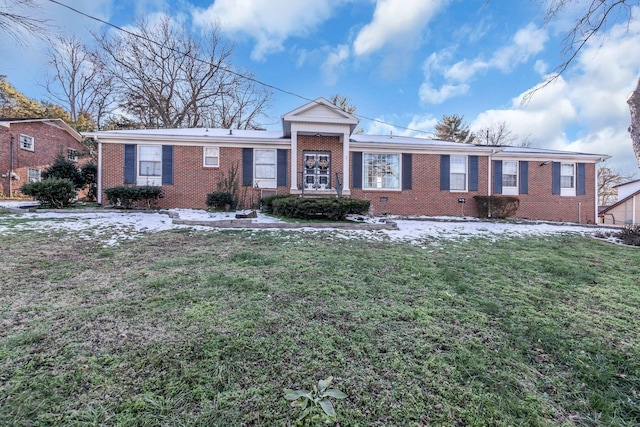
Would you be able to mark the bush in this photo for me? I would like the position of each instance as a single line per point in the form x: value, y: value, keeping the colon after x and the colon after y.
x: 90, y: 173
x: 52, y: 192
x: 221, y: 200
x: 63, y: 168
x: 330, y: 208
x: 266, y: 203
x: 630, y: 235
x: 496, y: 206
x: 125, y: 197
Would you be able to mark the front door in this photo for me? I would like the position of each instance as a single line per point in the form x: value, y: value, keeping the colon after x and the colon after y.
x: 317, y: 170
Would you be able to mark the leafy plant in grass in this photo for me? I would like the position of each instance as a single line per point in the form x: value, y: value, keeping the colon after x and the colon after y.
x: 53, y: 192
x: 125, y: 197
x: 220, y: 200
x: 266, y: 203
x: 63, y: 168
x: 330, y: 208
x: 630, y: 235
x: 315, y: 404
x: 496, y: 206
x: 90, y: 173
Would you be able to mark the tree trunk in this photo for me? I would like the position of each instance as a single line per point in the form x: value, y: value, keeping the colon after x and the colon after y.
x: 634, y: 129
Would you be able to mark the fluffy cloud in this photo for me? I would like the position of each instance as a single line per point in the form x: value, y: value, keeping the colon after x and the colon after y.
x: 395, y: 22
x: 419, y: 126
x: 332, y: 64
x: 269, y: 22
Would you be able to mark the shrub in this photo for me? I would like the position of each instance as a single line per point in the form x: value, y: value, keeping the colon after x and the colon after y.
x: 52, y: 192
x: 630, y: 235
x: 63, y: 168
x: 125, y: 197
x: 496, y: 206
x: 266, y: 203
x: 221, y: 200
x: 330, y: 208
x: 90, y: 173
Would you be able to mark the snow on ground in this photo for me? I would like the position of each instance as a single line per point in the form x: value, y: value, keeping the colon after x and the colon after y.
x: 113, y: 227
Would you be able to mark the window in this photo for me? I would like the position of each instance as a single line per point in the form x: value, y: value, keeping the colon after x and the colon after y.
x: 26, y: 142
x: 567, y: 179
x: 458, y: 173
x: 510, y: 178
x: 382, y: 171
x: 211, y: 157
x: 34, y: 175
x: 149, y: 165
x: 265, y: 168
x: 72, y: 154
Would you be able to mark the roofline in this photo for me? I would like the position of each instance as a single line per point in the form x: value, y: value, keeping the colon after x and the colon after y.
x: 63, y: 124
x: 234, y: 141
x: 625, y: 183
x: 548, y: 157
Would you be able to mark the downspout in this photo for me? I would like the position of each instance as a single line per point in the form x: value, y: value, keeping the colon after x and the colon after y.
x: 99, y: 189
x: 11, y: 165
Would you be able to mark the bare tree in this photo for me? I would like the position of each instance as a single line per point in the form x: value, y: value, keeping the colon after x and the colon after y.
x: 342, y: 102
x: 608, y: 178
x: 500, y: 134
x: 634, y: 129
x: 18, y: 19
x: 453, y: 128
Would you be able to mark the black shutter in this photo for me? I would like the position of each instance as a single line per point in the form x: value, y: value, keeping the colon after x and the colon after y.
x: 497, y: 177
x: 445, y: 167
x: 247, y: 166
x: 473, y: 173
x: 555, y: 178
x: 167, y: 164
x: 282, y: 168
x: 523, y: 181
x: 356, y: 173
x: 129, y: 163
x: 407, y: 166
x: 581, y: 187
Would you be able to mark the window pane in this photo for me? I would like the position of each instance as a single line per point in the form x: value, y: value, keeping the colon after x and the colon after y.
x: 566, y: 176
x: 150, y: 168
x: 458, y: 173
x: 265, y: 156
x: 265, y: 172
x: 458, y: 164
x: 458, y: 181
x: 211, y: 161
x: 382, y: 171
x: 153, y: 154
x: 567, y: 170
x: 509, y: 168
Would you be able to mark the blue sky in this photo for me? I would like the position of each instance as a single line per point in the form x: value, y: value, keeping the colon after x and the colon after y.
x: 403, y: 62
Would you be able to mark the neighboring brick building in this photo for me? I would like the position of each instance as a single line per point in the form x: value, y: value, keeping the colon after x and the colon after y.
x: 28, y: 146
x: 316, y: 154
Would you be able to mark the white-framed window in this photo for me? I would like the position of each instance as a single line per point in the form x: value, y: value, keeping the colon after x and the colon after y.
x: 510, y: 178
x: 381, y: 171
x: 567, y: 179
x: 34, y: 175
x: 150, y: 165
x: 72, y: 154
x: 26, y: 142
x: 211, y: 157
x: 265, y: 168
x: 458, y: 173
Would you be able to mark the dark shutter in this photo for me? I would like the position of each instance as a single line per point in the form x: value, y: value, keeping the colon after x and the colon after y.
x: 555, y: 178
x: 167, y: 164
x: 247, y: 166
x: 473, y: 173
x: 407, y: 166
x: 581, y: 187
x: 356, y: 173
x: 129, y: 163
x: 282, y: 168
x: 445, y: 167
x: 497, y: 177
x: 523, y: 181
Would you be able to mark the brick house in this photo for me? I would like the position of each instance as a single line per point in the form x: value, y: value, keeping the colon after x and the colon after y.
x: 317, y: 154
x: 28, y: 146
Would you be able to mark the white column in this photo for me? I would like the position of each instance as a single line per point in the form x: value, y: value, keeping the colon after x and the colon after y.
x: 294, y: 158
x: 99, y: 183
x: 345, y: 164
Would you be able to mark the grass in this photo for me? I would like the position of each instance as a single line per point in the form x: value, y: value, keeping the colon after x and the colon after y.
x: 208, y: 328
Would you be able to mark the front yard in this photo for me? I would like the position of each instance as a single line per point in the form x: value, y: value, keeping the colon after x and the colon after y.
x: 206, y: 327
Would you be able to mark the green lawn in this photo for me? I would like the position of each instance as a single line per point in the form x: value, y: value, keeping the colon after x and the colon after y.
x: 207, y: 328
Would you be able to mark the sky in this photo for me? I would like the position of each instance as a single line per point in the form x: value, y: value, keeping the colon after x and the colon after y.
x: 402, y: 63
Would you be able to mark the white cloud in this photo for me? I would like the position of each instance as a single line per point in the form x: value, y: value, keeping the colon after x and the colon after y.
x: 332, y: 64
x: 431, y: 95
x: 419, y: 126
x: 395, y: 22
x: 268, y: 22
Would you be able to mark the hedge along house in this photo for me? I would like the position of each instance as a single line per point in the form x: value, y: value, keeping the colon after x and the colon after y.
x: 316, y: 154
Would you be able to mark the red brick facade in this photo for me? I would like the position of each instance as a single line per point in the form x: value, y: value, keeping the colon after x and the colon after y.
x: 49, y: 140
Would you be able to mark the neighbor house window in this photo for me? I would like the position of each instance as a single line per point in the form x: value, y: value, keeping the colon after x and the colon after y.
x: 458, y: 173
x: 265, y: 168
x: 150, y: 165
x: 211, y: 157
x: 26, y: 142
x: 72, y: 154
x: 509, y: 178
x: 381, y: 171
x: 34, y: 175
x: 567, y: 179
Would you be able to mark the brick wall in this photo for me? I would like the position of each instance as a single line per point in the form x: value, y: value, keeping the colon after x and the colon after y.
x: 49, y: 141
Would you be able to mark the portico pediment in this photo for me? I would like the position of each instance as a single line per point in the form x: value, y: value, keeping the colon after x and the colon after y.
x: 320, y: 112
